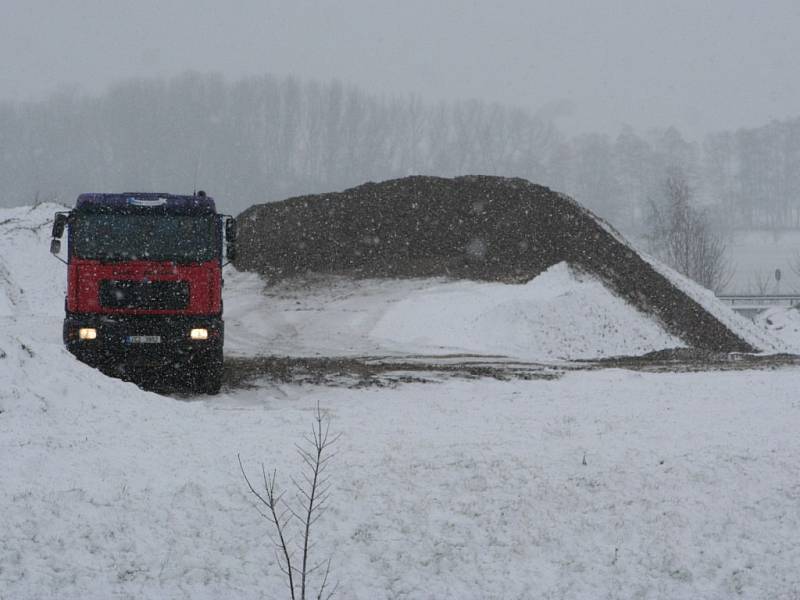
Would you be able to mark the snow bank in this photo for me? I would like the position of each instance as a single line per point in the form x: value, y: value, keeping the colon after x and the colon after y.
x: 561, y: 314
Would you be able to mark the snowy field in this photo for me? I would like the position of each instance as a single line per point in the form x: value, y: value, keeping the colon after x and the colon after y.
x: 756, y: 254
x: 599, y: 484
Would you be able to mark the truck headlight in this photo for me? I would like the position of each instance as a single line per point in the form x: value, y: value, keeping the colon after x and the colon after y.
x: 199, y: 333
x: 87, y: 333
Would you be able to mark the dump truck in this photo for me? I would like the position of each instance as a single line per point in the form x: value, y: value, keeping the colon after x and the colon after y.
x: 144, y: 285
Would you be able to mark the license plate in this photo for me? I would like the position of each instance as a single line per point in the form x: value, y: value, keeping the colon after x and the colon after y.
x: 143, y: 339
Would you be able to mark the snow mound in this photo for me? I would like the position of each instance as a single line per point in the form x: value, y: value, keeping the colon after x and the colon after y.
x: 561, y: 314
x: 36, y: 372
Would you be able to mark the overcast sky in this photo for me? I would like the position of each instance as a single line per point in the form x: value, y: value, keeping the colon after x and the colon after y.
x: 699, y: 65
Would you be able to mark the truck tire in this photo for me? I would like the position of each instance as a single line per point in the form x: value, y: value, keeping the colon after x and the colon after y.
x: 208, y: 375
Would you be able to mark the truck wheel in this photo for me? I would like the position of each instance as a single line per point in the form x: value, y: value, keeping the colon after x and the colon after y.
x: 208, y: 375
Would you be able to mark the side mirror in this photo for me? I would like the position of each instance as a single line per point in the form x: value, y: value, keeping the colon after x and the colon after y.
x: 55, y: 246
x: 230, y: 238
x: 58, y: 225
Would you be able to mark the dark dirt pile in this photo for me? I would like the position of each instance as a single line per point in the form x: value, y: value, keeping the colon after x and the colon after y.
x: 476, y: 227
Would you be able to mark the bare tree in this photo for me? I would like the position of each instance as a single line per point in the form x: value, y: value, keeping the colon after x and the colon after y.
x: 760, y: 282
x: 682, y: 236
x: 312, y: 494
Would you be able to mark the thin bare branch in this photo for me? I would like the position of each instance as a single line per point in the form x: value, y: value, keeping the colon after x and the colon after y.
x: 312, y: 492
x: 270, y: 503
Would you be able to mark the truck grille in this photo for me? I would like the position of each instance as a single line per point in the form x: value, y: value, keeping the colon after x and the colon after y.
x: 152, y: 295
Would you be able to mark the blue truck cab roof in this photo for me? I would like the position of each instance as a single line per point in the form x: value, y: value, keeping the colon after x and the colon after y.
x: 146, y: 202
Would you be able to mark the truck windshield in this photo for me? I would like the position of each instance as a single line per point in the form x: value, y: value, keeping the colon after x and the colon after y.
x: 179, y: 238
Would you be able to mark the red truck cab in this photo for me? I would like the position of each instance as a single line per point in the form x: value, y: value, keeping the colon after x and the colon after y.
x: 144, y: 284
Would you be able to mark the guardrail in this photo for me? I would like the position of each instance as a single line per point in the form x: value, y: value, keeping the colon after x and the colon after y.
x: 751, y: 306
x: 764, y: 301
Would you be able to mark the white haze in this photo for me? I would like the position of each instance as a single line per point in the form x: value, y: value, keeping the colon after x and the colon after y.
x: 700, y: 66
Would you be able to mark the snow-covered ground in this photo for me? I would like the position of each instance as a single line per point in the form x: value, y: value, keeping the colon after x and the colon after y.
x: 460, y: 490
x: 600, y: 484
x: 782, y: 323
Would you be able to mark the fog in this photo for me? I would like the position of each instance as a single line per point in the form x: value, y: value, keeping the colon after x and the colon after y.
x: 698, y: 66
x: 265, y: 100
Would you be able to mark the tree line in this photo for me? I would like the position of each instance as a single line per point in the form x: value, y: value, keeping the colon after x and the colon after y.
x: 268, y: 138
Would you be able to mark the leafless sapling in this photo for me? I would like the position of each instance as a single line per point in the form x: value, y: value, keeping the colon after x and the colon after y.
x: 292, y: 521
x: 760, y: 282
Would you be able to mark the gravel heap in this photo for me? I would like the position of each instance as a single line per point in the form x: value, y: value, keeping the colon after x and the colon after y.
x: 474, y: 227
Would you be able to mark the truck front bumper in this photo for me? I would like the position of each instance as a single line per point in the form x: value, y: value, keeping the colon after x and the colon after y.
x: 143, y: 341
